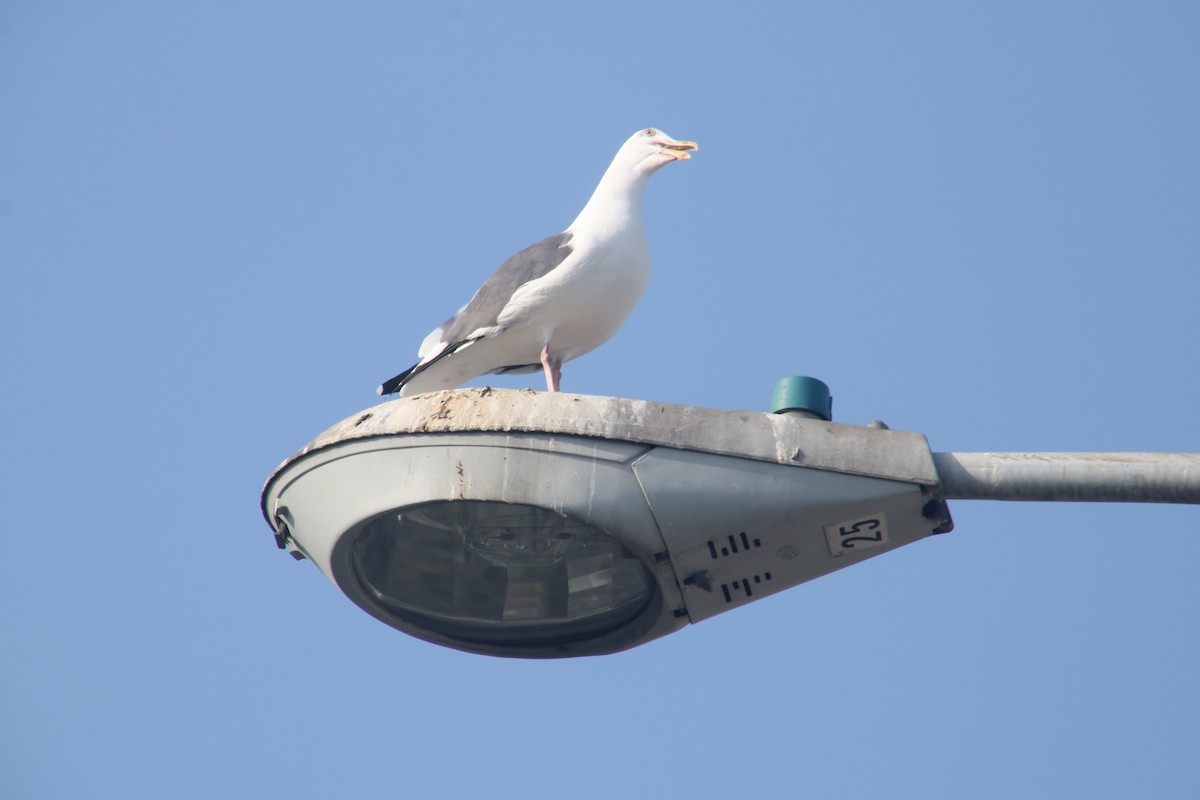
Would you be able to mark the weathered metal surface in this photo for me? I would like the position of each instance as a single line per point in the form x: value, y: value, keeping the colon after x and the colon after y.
x: 777, y: 438
x: 1080, y: 477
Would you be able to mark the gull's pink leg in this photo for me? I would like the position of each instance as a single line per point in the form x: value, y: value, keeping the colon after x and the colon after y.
x: 553, y: 369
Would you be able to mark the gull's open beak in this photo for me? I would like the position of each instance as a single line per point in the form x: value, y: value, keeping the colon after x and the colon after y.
x: 681, y: 150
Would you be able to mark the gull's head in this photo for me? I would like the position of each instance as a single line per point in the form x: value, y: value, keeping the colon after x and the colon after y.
x: 651, y: 148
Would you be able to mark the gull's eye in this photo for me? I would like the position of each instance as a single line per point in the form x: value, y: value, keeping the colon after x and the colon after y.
x: 651, y: 132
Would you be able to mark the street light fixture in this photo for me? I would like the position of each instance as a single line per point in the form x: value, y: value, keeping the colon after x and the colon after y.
x: 541, y: 525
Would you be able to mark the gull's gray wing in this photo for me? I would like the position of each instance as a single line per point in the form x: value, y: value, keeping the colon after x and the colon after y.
x: 530, y: 264
x: 484, y: 309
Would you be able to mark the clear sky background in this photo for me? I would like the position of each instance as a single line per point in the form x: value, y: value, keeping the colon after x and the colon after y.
x: 223, y: 224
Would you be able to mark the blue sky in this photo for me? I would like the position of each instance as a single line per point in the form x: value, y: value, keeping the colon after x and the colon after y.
x: 222, y: 224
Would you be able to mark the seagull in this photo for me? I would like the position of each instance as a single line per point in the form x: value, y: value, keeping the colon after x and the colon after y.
x: 559, y: 298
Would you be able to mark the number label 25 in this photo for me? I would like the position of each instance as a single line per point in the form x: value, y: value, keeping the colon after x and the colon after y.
x: 856, y: 534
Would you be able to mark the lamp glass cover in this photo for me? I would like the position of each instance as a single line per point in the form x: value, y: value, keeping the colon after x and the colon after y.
x: 504, y: 573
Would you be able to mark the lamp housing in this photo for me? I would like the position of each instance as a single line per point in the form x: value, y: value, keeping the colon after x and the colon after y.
x: 529, y: 524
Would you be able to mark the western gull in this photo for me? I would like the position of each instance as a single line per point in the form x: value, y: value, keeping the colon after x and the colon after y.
x: 559, y: 298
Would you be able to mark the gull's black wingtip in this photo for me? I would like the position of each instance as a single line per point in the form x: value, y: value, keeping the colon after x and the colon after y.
x: 393, y: 385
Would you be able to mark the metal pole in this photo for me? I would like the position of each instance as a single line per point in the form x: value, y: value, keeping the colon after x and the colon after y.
x: 1081, y: 477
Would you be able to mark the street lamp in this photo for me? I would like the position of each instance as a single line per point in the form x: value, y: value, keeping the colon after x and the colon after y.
x: 540, y: 525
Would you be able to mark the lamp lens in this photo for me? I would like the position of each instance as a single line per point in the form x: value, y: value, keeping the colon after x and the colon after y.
x: 500, y: 573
